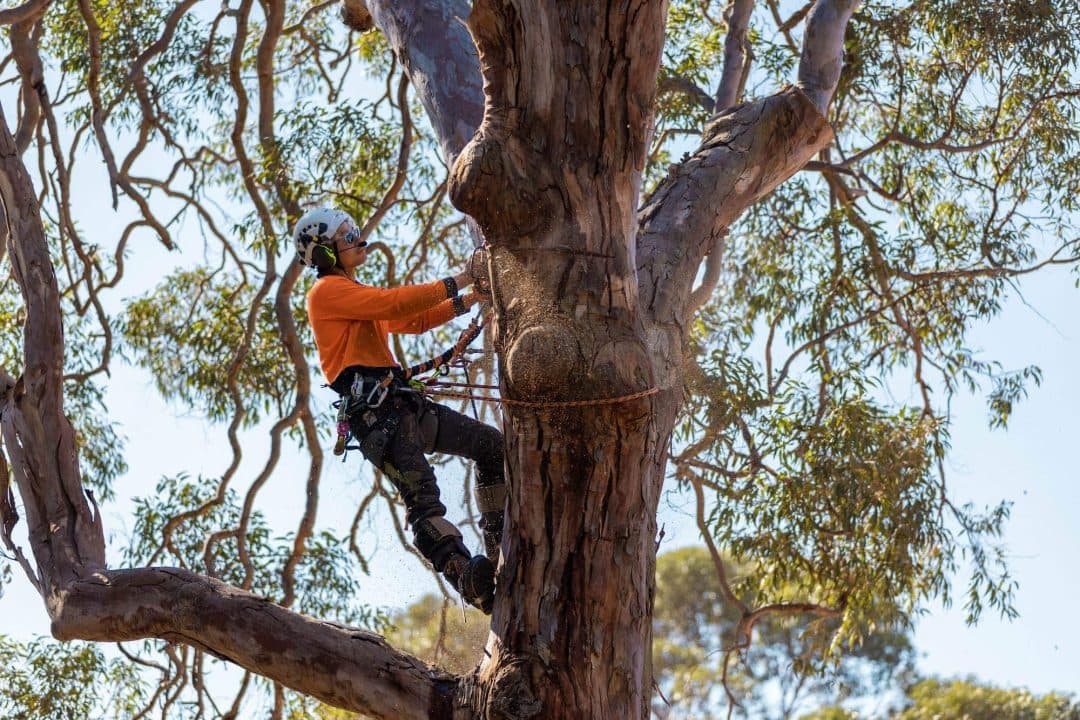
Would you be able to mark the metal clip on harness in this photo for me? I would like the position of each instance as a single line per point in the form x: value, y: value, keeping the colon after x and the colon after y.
x: 371, y: 399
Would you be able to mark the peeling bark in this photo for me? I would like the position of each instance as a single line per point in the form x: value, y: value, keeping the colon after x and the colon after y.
x: 745, y: 153
x: 355, y: 14
x: 345, y: 667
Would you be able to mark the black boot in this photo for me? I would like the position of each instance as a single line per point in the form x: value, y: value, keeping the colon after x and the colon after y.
x: 474, y: 578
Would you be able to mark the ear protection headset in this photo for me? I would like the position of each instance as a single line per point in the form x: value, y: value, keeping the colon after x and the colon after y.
x: 323, y: 257
x: 313, y: 235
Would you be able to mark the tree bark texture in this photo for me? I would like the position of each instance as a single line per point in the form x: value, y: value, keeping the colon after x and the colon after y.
x: 342, y: 666
x: 66, y: 536
x: 592, y: 298
x: 552, y: 176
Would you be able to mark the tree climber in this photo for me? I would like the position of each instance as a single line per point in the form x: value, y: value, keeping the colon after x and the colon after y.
x: 394, y: 425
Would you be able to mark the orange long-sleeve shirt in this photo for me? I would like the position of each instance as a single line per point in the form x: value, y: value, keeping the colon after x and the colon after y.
x: 351, y: 321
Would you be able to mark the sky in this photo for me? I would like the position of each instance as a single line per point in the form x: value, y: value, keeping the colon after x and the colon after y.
x: 1033, y: 464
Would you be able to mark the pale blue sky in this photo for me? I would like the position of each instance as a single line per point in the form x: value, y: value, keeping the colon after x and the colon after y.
x: 1032, y: 464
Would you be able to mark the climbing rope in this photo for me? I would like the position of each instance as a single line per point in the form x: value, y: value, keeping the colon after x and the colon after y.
x: 431, y: 387
x: 464, y: 340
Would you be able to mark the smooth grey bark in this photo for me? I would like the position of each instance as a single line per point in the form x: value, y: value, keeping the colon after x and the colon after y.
x: 430, y: 39
x: 823, y: 49
x: 735, y: 55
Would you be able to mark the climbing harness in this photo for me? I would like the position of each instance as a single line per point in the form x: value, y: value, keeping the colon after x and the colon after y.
x: 369, y: 393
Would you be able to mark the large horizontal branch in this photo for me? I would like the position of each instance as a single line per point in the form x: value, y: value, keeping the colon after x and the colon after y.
x: 345, y: 667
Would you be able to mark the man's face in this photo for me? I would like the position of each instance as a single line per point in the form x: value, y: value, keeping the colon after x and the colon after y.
x: 350, y: 249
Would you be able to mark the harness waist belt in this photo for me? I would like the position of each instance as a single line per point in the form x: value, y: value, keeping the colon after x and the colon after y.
x: 343, y: 383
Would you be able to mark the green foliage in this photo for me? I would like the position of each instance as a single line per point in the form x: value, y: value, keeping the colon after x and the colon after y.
x: 692, y: 626
x: 935, y: 699
x: 45, y: 680
x: 311, y: 143
x: 831, y: 713
x: 785, y: 666
x: 969, y: 700
x: 187, y: 333
x: 955, y: 171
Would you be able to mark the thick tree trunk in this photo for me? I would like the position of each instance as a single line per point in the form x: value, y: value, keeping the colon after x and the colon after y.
x: 553, y: 177
x: 592, y: 301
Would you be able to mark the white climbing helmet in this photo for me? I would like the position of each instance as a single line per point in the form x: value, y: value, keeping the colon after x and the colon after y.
x: 315, y: 228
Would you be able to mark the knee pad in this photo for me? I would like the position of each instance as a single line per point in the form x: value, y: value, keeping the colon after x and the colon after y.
x: 490, y: 498
x: 437, y: 539
x: 373, y: 446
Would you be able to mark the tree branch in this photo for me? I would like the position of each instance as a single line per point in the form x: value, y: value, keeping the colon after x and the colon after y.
x: 27, y: 60
x: 744, y: 154
x: 823, y: 50
x: 713, y: 263
x: 66, y: 536
x: 27, y: 11
x: 686, y: 86
x: 342, y: 666
x: 735, y: 55
x: 431, y: 41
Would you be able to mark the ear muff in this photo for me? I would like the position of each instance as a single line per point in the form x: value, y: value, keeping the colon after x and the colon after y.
x: 323, y: 257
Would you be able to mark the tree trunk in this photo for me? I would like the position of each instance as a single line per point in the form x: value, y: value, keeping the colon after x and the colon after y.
x: 591, y: 300
x: 552, y: 177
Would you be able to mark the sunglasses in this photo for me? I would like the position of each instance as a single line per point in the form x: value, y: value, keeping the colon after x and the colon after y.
x: 352, y: 236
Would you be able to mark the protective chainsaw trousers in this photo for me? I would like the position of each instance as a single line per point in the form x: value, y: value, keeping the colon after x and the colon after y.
x: 395, y: 437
